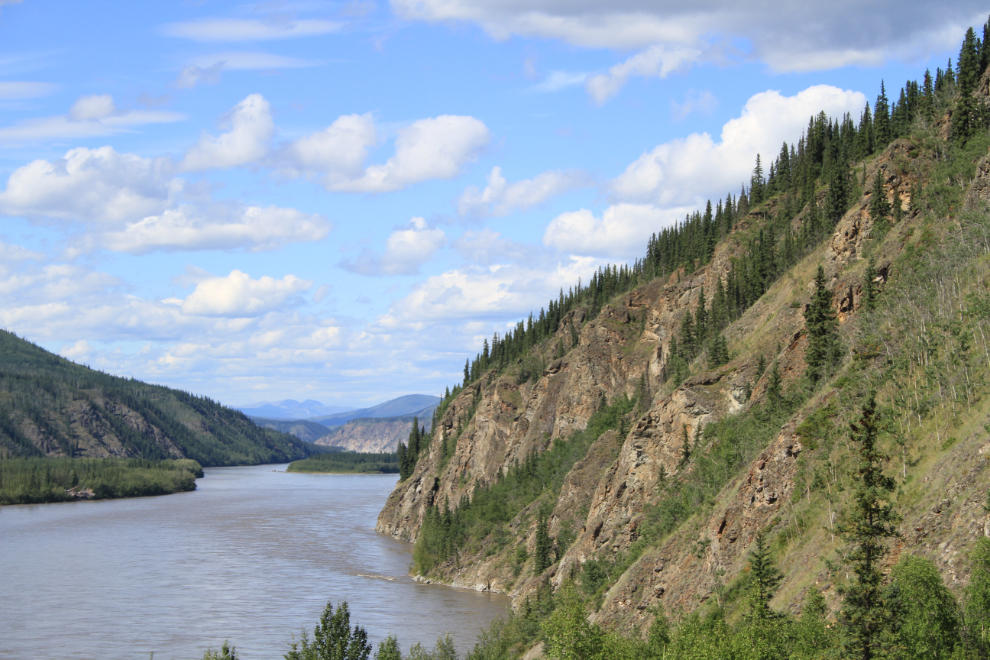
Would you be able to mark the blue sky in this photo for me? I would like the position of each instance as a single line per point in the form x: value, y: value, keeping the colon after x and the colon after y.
x: 340, y: 200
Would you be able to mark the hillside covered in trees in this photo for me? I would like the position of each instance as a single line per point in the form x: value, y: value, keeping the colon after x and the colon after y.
x: 767, y: 438
x: 51, y: 407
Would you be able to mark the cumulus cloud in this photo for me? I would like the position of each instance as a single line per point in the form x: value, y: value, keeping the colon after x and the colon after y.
x: 247, y: 29
x: 670, y: 34
x: 90, y: 116
x: 685, y: 171
x: 134, y: 204
x: 335, y: 154
x: 247, y: 141
x: 436, y: 148
x: 620, y: 233
x: 501, y: 198
x: 660, y: 187
x: 100, y: 186
x: 238, y: 295
x: 221, y: 227
x: 502, y: 291
x: 405, y: 251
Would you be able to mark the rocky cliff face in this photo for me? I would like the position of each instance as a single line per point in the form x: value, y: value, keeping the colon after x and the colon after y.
x: 371, y: 435
x: 606, y: 495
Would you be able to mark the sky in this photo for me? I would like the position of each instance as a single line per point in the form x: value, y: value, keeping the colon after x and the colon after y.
x: 341, y: 200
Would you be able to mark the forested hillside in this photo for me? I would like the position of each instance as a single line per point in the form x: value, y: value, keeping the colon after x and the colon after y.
x: 768, y: 437
x: 51, y: 407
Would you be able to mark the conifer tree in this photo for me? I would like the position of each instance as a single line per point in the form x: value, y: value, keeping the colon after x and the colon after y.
x: 966, y: 117
x: 541, y: 553
x: 764, y: 579
x: 775, y: 389
x: 870, y: 287
x: 882, y: 135
x: 867, y: 526
x: 824, y: 349
x: 404, y: 467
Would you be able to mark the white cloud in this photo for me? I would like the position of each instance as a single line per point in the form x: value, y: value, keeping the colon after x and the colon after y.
x: 93, y: 106
x: 76, y: 352
x: 251, y: 130
x: 434, y: 148
x: 98, y: 186
x: 221, y: 227
x: 134, y: 204
x: 335, y: 154
x: 90, y: 116
x: 686, y: 171
x: 405, y: 251
x: 505, y: 291
x: 703, y: 102
x: 655, y: 61
x: 501, y: 198
x: 15, y: 90
x: 672, y: 34
x: 621, y: 232
x: 237, y: 295
x: 245, y: 29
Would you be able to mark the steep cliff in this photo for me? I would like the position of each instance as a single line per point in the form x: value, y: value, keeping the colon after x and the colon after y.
x: 668, y: 503
x: 371, y: 435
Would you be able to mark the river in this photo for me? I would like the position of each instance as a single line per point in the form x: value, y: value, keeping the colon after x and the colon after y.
x: 252, y: 556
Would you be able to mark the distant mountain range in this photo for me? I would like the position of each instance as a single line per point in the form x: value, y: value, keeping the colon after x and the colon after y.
x: 378, y: 428
x: 291, y: 409
x: 411, y: 404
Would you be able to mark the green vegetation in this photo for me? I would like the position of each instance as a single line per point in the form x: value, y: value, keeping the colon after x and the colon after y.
x: 71, y: 410
x: 483, y: 517
x: 343, y: 462
x: 919, y: 340
x: 334, y: 639
x: 419, y: 440
x: 40, y: 480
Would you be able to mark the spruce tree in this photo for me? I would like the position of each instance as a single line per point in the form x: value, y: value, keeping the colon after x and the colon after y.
x: 966, y: 117
x: 824, y: 349
x: 764, y: 579
x: 404, y: 466
x: 870, y: 287
x: 775, y: 389
x: 541, y: 553
x: 882, y: 135
x: 839, y: 187
x: 867, y: 526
